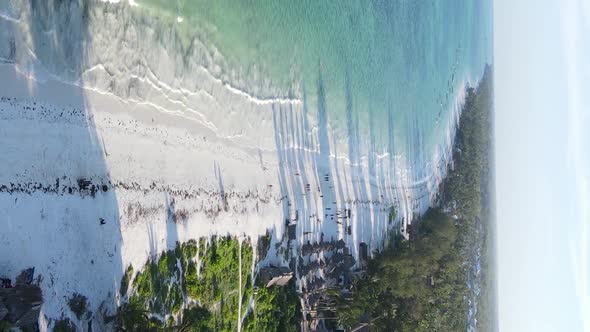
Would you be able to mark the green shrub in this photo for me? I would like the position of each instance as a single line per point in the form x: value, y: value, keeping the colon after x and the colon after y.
x: 125, y: 280
x: 77, y: 304
x: 158, y: 287
x: 64, y: 325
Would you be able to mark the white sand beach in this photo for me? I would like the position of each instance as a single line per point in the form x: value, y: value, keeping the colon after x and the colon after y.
x: 109, y: 168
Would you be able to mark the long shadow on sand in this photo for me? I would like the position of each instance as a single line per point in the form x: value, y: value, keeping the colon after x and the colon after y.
x: 58, y: 209
x: 322, y: 196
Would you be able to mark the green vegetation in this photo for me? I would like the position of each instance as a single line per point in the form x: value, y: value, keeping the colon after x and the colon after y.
x: 77, y: 304
x: 421, y: 284
x: 277, y: 309
x: 125, y: 280
x: 196, y: 319
x: 5, y: 326
x: 217, y: 286
x: 469, y: 185
x: 265, y: 241
x: 163, y: 286
x: 133, y: 317
x: 157, y: 287
x: 64, y: 325
x: 196, y: 287
x: 415, y: 285
x: 392, y: 214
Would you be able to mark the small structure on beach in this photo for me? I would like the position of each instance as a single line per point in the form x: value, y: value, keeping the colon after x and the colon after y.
x: 275, y: 276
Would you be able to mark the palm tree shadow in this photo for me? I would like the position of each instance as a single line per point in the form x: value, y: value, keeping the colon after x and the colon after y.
x: 60, y: 208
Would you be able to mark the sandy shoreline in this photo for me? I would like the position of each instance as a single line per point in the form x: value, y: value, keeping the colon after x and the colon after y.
x: 116, y: 165
x: 154, y: 165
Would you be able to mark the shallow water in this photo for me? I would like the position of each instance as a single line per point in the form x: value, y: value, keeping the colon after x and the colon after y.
x: 376, y: 79
x: 397, y: 64
x: 393, y: 71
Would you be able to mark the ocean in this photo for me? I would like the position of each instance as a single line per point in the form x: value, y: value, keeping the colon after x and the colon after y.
x: 396, y: 65
x: 243, y: 114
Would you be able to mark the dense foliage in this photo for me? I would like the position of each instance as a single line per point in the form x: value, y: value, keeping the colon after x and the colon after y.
x: 421, y: 284
x: 469, y: 186
x: 276, y: 309
x: 196, y: 287
x: 412, y: 286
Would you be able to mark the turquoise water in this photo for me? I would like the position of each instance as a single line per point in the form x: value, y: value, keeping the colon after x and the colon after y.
x: 395, y: 65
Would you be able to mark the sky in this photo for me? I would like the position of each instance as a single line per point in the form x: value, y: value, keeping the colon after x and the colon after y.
x: 542, y: 137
